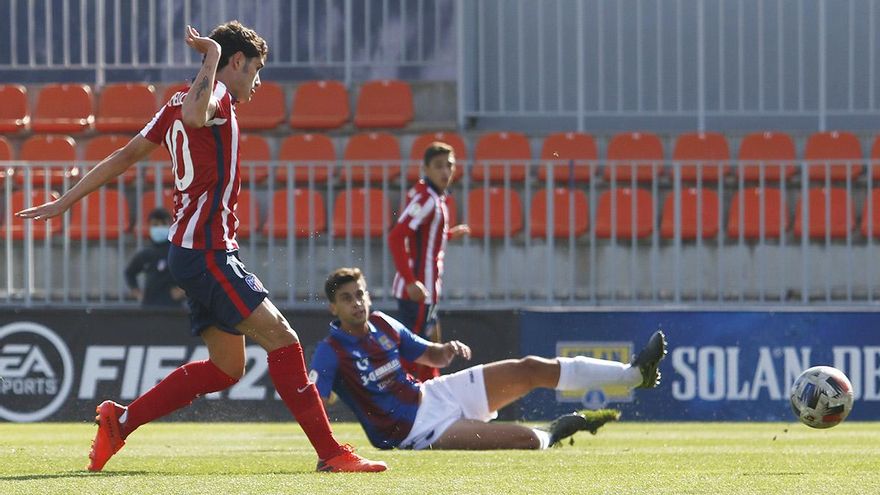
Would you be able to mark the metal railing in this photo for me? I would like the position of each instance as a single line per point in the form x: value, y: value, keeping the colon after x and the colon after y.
x: 350, y: 40
x: 669, y: 64
x: 659, y: 253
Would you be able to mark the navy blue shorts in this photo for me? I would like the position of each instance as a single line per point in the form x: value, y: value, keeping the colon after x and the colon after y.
x: 420, y: 322
x: 220, y: 291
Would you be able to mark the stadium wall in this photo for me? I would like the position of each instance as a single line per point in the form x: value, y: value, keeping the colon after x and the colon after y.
x: 56, y: 365
x: 722, y: 365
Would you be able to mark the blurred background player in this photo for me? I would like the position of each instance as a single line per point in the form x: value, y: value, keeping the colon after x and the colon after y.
x: 418, y: 244
x: 360, y: 362
x: 226, y: 302
x: 160, y: 289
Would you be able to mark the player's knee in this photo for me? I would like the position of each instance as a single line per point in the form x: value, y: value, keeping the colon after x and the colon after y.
x: 532, y: 367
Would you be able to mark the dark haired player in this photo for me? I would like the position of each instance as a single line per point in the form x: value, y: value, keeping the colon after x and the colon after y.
x: 227, y: 303
x: 360, y: 362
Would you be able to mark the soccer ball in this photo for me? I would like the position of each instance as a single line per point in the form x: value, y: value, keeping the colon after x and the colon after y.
x: 821, y: 397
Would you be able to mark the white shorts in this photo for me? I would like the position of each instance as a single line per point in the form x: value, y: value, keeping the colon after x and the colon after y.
x: 445, y: 400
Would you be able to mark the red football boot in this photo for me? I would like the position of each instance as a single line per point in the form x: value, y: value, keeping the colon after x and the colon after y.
x: 349, y: 462
x: 108, y: 440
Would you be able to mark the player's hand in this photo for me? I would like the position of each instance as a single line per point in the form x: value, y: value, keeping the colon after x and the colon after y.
x: 455, y: 348
x: 200, y: 43
x: 416, y: 291
x: 137, y: 294
x: 177, y: 293
x: 459, y: 231
x: 44, y: 211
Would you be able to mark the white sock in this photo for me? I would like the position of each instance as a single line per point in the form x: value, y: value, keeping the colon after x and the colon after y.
x: 543, y: 438
x: 585, y: 373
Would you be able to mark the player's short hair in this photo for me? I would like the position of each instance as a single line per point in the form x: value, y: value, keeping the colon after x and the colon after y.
x: 160, y: 214
x: 436, y: 149
x: 340, y: 277
x: 234, y: 37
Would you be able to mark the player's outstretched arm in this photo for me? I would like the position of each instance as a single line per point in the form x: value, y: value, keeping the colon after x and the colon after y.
x: 440, y: 355
x: 198, y: 107
x: 136, y: 150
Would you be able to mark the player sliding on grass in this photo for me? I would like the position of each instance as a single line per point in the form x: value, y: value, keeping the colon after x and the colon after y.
x: 360, y: 362
x: 226, y: 302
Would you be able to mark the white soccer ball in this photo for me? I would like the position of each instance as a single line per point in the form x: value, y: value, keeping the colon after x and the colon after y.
x: 822, y: 397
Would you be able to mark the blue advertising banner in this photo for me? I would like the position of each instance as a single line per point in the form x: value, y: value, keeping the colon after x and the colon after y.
x: 721, y: 365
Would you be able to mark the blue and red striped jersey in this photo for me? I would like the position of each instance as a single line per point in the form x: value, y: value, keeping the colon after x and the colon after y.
x: 365, y: 373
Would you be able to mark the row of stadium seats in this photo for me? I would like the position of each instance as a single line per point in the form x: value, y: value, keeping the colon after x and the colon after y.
x: 623, y: 213
x: 126, y: 107
x: 505, y: 155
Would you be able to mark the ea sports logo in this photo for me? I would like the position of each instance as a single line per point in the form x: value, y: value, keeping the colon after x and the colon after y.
x: 36, y: 372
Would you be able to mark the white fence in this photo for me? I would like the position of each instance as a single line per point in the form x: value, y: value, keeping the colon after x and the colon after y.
x: 670, y: 64
x: 800, y: 249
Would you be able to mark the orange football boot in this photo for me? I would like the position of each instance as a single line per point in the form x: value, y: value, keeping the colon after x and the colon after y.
x: 349, y: 462
x: 108, y: 439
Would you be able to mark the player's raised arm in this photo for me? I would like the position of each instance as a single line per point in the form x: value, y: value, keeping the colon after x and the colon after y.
x: 440, y: 355
x: 136, y: 150
x: 198, y: 106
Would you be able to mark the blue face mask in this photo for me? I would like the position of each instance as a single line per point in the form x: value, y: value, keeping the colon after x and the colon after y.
x: 159, y: 233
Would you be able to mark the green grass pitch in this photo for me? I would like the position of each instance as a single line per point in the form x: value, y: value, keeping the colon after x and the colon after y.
x: 637, y: 458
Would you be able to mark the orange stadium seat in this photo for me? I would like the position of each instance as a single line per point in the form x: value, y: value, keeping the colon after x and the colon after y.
x: 421, y: 143
x: 172, y: 90
x: 775, y: 214
x: 254, y: 154
x: 452, y: 206
x: 319, y: 105
x: 369, y: 213
x: 148, y: 204
x: 380, y: 149
x: 500, y: 152
x: 63, y: 108
x: 839, y: 205
x: 840, y: 151
x: 5, y: 150
x: 41, y: 149
x: 20, y: 201
x: 14, y: 115
x: 577, y: 148
x: 638, y: 154
x: 702, y: 154
x: 101, y: 147
x: 564, y: 222
x: 86, y: 217
x: 634, y: 217
x: 313, y: 156
x: 697, y: 205
x: 871, y: 219
x: 248, y: 214
x: 266, y: 109
x: 775, y: 150
x: 161, y: 160
x: 486, y: 212
x: 384, y: 103
x: 307, y: 209
x: 125, y: 107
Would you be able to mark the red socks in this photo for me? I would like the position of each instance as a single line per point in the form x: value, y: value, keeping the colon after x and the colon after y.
x: 287, y: 367
x: 176, y: 390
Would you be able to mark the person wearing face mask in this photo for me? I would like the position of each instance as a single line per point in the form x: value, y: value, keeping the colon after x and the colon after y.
x: 160, y: 289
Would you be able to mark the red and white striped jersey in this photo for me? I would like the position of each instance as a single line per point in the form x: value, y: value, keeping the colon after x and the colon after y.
x: 418, y: 241
x: 206, y: 172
